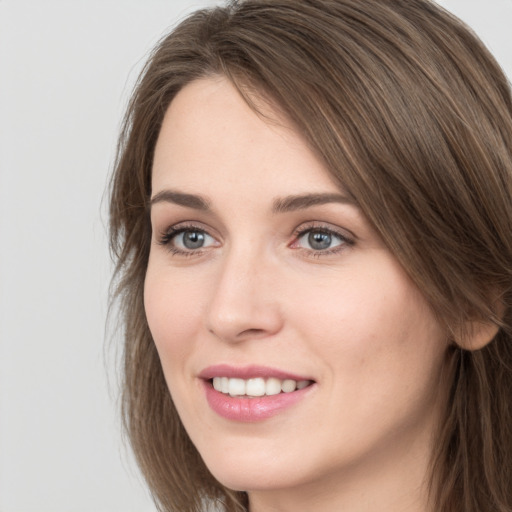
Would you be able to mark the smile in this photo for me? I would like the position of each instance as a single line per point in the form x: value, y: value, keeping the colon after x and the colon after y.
x: 258, y: 386
x: 253, y: 393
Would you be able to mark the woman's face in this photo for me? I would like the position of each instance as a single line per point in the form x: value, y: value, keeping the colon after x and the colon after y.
x: 263, y: 275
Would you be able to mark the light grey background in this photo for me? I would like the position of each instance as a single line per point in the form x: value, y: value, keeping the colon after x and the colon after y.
x: 66, y: 69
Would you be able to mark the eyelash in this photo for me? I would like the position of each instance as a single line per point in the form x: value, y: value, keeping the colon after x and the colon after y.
x: 345, y: 240
x: 171, y: 233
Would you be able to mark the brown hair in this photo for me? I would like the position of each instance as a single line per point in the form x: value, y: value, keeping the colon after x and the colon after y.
x: 413, y: 116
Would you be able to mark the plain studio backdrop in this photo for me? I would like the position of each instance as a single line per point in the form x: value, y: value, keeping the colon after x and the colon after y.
x: 66, y: 71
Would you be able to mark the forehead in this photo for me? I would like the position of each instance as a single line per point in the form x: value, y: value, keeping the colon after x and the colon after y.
x: 210, y: 138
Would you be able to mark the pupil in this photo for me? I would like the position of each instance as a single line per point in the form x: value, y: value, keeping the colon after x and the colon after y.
x: 319, y: 241
x: 193, y: 239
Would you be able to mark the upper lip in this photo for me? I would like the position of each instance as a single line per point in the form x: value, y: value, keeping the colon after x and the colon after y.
x: 248, y: 372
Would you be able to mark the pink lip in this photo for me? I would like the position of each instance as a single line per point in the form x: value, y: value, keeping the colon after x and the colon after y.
x: 248, y: 372
x: 250, y: 410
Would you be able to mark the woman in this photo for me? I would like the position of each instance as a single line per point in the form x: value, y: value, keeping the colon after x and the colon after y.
x: 311, y: 213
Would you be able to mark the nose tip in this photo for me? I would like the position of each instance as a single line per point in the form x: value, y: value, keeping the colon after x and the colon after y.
x: 236, y: 328
x: 234, y: 319
x: 244, y: 305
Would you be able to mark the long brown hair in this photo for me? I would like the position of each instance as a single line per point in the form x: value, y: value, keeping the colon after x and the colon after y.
x: 413, y: 116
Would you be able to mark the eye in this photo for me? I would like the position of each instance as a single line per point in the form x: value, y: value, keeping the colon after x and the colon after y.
x: 320, y: 240
x: 192, y: 239
x: 186, y: 240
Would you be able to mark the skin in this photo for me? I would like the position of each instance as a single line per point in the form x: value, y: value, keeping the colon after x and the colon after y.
x: 257, y: 293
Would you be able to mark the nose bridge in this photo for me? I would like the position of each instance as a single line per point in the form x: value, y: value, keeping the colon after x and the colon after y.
x: 243, y: 304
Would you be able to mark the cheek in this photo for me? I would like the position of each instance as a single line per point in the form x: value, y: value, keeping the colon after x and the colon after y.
x: 173, y: 311
x: 371, y: 324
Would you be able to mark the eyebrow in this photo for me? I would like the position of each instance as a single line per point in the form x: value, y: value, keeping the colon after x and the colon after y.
x: 279, y: 205
x: 301, y: 202
x: 189, y: 200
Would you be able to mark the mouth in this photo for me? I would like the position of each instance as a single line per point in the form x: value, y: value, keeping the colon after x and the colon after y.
x: 257, y: 387
x: 253, y: 393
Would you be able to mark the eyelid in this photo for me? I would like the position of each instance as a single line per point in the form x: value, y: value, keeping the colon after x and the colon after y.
x: 346, y: 237
x: 166, y: 237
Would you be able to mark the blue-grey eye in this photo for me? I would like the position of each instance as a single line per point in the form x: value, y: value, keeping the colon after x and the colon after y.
x: 192, y: 239
x: 319, y: 240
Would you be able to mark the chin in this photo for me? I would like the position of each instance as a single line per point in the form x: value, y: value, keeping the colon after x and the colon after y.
x: 241, y: 472
x: 254, y: 479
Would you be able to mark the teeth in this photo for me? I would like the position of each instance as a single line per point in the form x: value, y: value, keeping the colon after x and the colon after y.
x: 302, y: 384
x: 288, y: 386
x: 257, y: 386
x: 236, y: 387
x: 273, y: 386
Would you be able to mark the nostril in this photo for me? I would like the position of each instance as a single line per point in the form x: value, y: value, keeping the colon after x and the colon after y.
x: 252, y: 333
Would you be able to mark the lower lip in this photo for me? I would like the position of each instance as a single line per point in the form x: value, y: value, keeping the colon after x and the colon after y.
x: 250, y: 410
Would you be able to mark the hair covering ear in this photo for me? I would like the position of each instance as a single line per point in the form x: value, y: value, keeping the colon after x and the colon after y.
x: 477, y: 334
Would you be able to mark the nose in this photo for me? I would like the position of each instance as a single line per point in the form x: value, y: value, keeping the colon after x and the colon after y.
x: 244, y: 302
